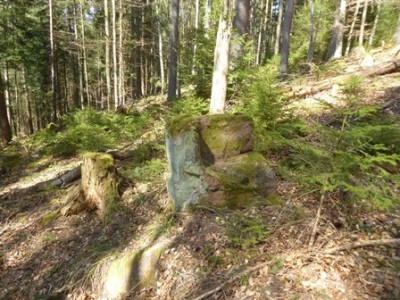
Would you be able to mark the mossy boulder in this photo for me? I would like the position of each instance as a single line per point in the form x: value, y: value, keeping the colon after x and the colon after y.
x: 100, y: 183
x: 137, y: 269
x: 211, y: 160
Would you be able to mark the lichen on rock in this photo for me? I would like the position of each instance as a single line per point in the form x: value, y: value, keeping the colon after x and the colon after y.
x: 211, y: 161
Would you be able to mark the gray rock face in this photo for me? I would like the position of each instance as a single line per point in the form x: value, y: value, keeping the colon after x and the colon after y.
x: 211, y: 161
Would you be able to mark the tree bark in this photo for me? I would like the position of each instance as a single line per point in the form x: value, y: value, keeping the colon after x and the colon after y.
x: 362, y: 26
x: 160, y: 47
x: 278, y: 28
x: 287, y: 27
x: 174, y: 40
x: 336, y: 43
x: 5, y: 128
x: 221, y: 67
x: 241, y: 26
x: 53, y: 72
x: 310, y: 54
x: 84, y: 58
x: 120, y: 55
x: 107, y: 66
x: 114, y: 53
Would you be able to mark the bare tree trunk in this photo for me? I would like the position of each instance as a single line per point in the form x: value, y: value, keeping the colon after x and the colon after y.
x: 120, y: 56
x: 336, y: 44
x: 107, y: 34
x: 241, y: 26
x: 84, y: 59
x: 114, y: 53
x: 79, y: 71
x: 160, y: 47
x: 29, y: 121
x: 362, y: 26
x: 287, y: 27
x: 372, y: 35
x: 53, y: 64
x: 263, y: 32
x: 353, y: 23
x: 221, y: 67
x: 7, y: 94
x: 207, y: 13
x: 397, y: 34
x: 310, y: 54
x: 174, y: 40
x: 196, y: 28
x: 5, y: 128
x: 278, y: 28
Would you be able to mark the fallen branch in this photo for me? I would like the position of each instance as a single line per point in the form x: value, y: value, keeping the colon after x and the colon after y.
x: 385, y: 242
x: 314, y: 232
x: 309, y: 89
x: 60, y: 181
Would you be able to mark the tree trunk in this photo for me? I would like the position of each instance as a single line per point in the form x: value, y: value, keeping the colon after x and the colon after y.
x: 207, y: 13
x: 107, y: 66
x: 174, y: 40
x: 362, y: 26
x: 372, y: 35
x: 160, y: 47
x: 84, y: 59
x: 287, y: 27
x: 196, y: 28
x: 5, y: 128
x: 310, y: 54
x: 53, y: 65
x: 263, y: 32
x: 114, y: 53
x: 221, y: 67
x: 241, y: 26
x: 336, y: 43
x: 278, y: 28
x: 353, y: 23
x: 120, y: 56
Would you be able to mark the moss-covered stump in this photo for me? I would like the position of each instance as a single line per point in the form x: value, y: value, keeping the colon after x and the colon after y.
x: 100, y: 183
x: 211, y: 160
x: 137, y: 269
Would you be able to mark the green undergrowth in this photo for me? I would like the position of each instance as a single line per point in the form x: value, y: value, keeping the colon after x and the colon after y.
x: 89, y: 130
x: 357, y: 154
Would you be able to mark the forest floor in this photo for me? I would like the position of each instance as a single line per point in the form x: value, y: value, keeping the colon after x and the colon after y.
x: 44, y: 255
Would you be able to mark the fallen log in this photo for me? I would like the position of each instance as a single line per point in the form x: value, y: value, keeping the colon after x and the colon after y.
x: 60, y: 181
x: 319, y: 86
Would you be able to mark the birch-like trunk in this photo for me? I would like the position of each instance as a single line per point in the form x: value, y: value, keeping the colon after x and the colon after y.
x: 5, y: 128
x: 221, y: 67
x: 120, y: 55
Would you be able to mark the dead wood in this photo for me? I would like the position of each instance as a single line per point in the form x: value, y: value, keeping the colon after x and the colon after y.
x: 312, y: 88
x: 60, y: 181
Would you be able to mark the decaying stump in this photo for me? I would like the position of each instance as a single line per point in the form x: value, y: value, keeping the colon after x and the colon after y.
x: 100, y: 183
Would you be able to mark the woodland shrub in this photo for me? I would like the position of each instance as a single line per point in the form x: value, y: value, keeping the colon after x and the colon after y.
x: 88, y: 130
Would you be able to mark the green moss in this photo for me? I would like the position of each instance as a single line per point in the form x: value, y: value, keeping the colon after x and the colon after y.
x: 47, y: 218
x: 175, y: 125
x: 104, y: 162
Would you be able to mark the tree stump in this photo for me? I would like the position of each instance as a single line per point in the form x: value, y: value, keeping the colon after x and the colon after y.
x: 100, y: 183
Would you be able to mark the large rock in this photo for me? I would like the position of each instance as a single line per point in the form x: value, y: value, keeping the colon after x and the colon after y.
x: 211, y: 161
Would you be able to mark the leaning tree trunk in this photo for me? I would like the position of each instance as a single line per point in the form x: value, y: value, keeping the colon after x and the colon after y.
x: 5, y: 128
x: 221, y: 67
x: 287, y: 27
x: 100, y: 183
x: 353, y: 23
